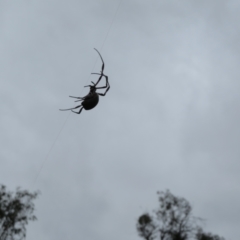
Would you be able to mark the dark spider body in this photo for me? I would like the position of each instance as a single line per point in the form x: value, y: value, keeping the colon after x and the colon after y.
x: 91, y: 100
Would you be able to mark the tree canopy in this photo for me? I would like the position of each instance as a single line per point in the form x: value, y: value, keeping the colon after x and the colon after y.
x: 16, y: 209
x: 173, y: 220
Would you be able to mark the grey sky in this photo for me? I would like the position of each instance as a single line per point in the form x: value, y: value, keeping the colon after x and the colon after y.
x: 170, y: 120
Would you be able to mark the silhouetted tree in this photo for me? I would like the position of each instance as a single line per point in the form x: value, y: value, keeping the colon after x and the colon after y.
x: 172, y: 221
x: 15, y: 212
x: 146, y: 227
x: 207, y: 236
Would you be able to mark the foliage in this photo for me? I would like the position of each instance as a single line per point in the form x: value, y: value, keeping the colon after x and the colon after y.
x: 146, y: 227
x: 173, y: 220
x: 207, y: 236
x: 15, y: 212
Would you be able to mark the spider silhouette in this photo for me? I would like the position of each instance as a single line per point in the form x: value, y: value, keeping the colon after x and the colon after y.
x: 91, y: 100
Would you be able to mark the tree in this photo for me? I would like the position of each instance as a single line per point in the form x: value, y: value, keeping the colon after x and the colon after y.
x: 207, y: 236
x: 172, y: 221
x: 15, y: 212
x: 146, y: 227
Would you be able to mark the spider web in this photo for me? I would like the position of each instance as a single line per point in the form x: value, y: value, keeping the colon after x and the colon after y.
x: 59, y: 133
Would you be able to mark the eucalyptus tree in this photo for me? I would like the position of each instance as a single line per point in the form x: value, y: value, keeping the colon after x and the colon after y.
x: 173, y: 220
x: 16, y: 210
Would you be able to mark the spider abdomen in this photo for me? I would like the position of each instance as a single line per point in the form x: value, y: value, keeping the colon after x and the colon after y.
x: 90, y: 102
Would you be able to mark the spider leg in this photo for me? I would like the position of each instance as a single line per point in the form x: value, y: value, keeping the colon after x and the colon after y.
x: 70, y: 108
x: 106, y: 77
x: 99, y: 79
x: 79, y: 98
x: 103, y: 94
x: 76, y: 97
x: 79, y: 111
x: 107, y: 86
x: 101, y: 59
x: 101, y: 69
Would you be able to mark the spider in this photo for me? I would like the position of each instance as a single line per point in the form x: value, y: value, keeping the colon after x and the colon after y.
x: 91, y: 100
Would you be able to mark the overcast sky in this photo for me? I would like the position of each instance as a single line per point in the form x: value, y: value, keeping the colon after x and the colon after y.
x: 170, y: 120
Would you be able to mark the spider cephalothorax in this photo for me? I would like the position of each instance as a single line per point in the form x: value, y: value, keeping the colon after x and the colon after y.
x: 91, y: 100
